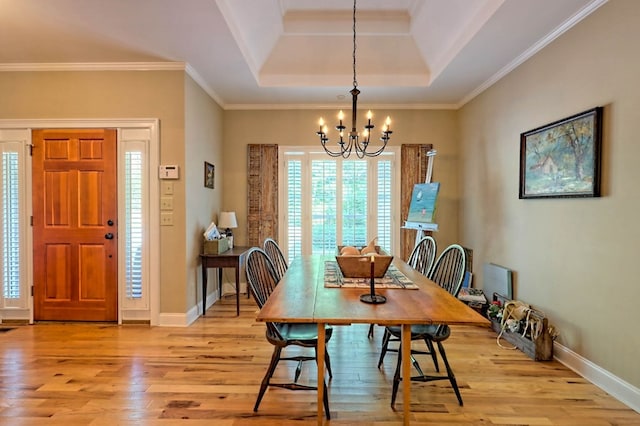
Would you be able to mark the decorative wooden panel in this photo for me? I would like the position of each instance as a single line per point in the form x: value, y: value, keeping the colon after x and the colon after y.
x: 90, y: 184
x: 413, y: 159
x: 57, y: 198
x: 262, y: 193
x: 92, y: 279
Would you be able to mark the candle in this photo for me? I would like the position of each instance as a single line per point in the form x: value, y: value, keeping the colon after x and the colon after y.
x: 372, y: 266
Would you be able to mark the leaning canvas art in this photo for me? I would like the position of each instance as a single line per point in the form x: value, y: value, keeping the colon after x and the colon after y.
x: 562, y: 159
x: 423, y: 202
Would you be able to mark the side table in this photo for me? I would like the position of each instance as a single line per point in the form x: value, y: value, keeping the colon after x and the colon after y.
x: 231, y: 258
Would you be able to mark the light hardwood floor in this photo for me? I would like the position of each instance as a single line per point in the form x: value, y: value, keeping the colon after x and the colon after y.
x: 209, y: 373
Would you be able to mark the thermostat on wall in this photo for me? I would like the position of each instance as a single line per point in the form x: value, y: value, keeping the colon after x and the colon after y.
x: 168, y: 172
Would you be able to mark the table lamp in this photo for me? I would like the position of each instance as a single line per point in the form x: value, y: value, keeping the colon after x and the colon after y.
x: 228, y: 220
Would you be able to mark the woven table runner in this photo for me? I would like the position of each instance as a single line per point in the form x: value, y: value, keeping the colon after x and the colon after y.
x: 393, y: 278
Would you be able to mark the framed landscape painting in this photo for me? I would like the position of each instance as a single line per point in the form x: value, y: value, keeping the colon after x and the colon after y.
x: 562, y: 159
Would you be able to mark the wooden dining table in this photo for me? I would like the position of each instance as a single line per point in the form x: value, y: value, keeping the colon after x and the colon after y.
x: 302, y: 297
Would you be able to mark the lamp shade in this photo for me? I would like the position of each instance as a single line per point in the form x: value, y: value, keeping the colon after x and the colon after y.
x: 227, y: 220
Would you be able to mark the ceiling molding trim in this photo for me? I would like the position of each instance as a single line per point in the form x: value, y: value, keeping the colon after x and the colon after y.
x: 564, y: 27
x: 191, y: 72
x: 95, y: 66
x: 237, y: 34
x: 260, y: 107
x: 471, y: 29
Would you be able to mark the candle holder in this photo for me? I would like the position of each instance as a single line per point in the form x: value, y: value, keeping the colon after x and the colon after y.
x: 372, y: 297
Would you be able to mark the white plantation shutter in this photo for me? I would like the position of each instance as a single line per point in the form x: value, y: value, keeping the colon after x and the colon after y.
x: 134, y: 173
x: 14, y: 280
x: 294, y: 208
x: 355, y: 185
x: 323, y: 207
x: 335, y: 201
x: 384, y: 204
x: 134, y: 226
x: 11, y: 259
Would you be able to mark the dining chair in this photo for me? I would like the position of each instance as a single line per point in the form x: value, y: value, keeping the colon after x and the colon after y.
x: 262, y: 278
x: 423, y: 254
x: 448, y: 272
x: 271, y: 247
x: 421, y: 259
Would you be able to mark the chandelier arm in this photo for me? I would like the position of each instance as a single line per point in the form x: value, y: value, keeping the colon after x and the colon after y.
x: 363, y: 152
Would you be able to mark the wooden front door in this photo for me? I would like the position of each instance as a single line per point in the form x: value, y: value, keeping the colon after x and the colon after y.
x: 74, y: 225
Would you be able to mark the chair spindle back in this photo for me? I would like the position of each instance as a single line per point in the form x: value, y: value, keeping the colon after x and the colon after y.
x: 448, y: 271
x: 423, y: 255
x: 261, y: 275
x: 277, y: 258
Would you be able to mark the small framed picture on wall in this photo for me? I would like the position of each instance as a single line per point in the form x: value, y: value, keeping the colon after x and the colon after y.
x: 209, y: 175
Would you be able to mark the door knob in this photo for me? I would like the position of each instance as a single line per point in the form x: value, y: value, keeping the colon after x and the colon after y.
x: 110, y: 222
x: 108, y: 236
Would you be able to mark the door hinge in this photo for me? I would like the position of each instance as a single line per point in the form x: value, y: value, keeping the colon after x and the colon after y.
x: 31, y: 220
x: 30, y: 149
x: 31, y: 291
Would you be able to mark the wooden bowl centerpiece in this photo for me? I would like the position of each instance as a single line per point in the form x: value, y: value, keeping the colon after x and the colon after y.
x: 358, y: 265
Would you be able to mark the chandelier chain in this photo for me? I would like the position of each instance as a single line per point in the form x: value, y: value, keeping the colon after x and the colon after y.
x: 355, y: 81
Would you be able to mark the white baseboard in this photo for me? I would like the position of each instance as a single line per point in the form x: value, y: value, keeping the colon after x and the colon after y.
x: 185, y: 320
x: 613, y: 385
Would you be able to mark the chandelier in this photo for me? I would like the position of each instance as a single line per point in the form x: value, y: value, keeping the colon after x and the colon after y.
x: 353, y: 140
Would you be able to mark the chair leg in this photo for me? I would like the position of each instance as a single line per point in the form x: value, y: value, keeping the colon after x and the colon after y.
x: 452, y: 377
x: 327, y: 362
x: 432, y: 350
x: 275, y: 357
x: 396, y: 378
x: 298, y: 372
x: 370, y: 335
x: 385, y: 344
x: 325, y: 397
x: 325, y: 401
x: 416, y: 365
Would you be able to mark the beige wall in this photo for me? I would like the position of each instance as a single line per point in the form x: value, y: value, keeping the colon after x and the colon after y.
x: 116, y: 94
x: 203, y: 142
x: 573, y: 258
x: 298, y: 127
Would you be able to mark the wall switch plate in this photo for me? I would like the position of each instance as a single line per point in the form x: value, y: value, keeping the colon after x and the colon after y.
x: 166, y: 203
x: 166, y: 219
x: 167, y: 188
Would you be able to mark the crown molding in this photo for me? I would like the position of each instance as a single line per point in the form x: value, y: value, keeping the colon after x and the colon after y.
x: 238, y: 107
x: 95, y: 66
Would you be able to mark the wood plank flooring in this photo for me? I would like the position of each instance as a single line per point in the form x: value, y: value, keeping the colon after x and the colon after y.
x: 209, y: 373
